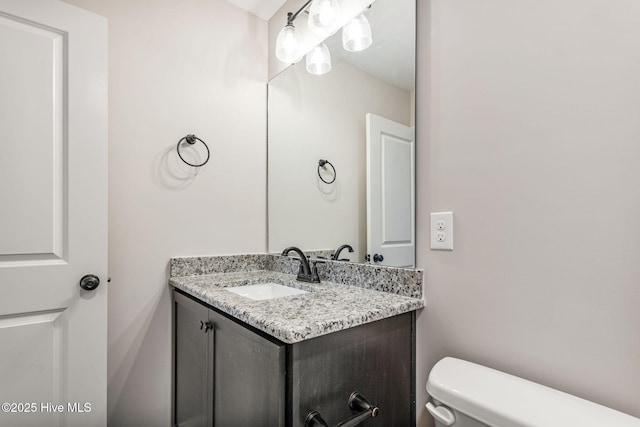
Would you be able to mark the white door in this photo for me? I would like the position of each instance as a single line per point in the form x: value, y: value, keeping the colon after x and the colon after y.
x: 53, y: 214
x: 390, y: 192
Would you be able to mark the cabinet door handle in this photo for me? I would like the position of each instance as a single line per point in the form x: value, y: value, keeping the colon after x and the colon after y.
x: 208, y: 326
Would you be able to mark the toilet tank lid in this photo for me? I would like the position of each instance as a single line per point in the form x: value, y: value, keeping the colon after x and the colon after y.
x: 500, y: 400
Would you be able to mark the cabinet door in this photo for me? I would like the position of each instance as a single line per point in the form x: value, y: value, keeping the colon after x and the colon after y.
x: 249, y: 377
x: 193, y: 349
x: 376, y: 359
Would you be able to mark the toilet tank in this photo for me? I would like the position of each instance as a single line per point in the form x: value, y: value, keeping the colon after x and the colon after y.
x: 498, y: 399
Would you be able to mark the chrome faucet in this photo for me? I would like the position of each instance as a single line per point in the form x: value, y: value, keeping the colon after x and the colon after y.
x: 336, y: 254
x: 305, y: 272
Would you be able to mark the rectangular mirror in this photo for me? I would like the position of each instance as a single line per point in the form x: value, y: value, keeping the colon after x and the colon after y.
x: 359, y: 117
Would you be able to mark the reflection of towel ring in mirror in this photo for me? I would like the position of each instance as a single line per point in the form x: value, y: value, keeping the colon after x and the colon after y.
x: 191, y: 139
x: 321, y: 164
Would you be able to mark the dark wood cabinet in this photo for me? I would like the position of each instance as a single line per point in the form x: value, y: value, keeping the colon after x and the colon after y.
x: 374, y: 359
x: 193, y: 350
x: 229, y: 374
x: 249, y: 376
x: 225, y: 374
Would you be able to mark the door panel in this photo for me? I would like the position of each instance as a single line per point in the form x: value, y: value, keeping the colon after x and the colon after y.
x: 53, y: 224
x: 32, y: 121
x: 396, y: 192
x: 36, y: 374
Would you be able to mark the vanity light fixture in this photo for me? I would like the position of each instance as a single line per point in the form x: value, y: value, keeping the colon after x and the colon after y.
x: 319, y: 60
x: 288, y: 42
x: 356, y: 35
x: 323, y: 17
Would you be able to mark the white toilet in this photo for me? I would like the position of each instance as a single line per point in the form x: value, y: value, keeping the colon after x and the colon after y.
x: 468, y: 395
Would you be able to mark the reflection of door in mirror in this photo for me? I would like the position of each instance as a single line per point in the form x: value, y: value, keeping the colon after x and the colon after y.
x: 390, y: 192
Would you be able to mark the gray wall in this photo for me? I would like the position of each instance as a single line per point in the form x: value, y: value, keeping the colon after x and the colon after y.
x: 528, y: 125
x: 175, y: 67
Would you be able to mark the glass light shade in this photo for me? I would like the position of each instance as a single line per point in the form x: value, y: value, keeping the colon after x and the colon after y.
x: 319, y: 60
x: 323, y: 17
x: 288, y: 45
x: 356, y: 35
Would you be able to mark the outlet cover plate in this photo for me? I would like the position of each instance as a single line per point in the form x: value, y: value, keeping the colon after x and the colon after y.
x: 442, y: 231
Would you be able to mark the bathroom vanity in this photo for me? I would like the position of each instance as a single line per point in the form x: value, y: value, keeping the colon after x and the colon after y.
x: 271, y: 362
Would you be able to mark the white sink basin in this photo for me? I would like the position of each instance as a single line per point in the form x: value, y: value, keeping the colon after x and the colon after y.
x: 265, y: 291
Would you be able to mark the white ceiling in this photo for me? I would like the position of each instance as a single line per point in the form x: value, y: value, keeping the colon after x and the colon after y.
x: 391, y: 57
x: 261, y: 8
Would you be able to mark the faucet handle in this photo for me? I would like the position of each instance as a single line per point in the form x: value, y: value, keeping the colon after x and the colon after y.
x: 314, y: 263
x: 314, y: 270
x: 301, y: 266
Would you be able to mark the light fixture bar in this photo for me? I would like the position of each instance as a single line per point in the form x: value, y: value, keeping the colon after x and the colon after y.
x: 292, y: 16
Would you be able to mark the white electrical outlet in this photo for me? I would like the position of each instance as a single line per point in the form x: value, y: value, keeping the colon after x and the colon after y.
x: 442, y: 231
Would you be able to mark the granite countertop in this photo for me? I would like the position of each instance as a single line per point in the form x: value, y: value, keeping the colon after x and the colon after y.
x: 328, y: 307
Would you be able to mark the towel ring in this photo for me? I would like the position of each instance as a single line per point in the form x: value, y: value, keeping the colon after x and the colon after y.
x: 191, y: 139
x: 321, y: 164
